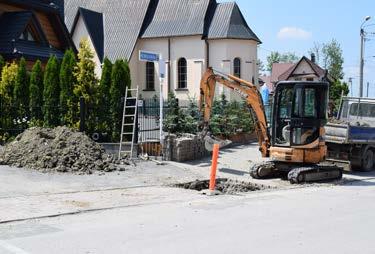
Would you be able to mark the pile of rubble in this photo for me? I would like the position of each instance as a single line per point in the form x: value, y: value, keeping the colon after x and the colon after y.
x: 56, y: 150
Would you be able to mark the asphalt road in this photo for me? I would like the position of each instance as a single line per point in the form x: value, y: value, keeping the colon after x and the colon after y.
x: 324, y: 219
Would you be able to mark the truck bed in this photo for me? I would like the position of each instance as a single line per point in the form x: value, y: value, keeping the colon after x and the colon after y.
x: 344, y: 133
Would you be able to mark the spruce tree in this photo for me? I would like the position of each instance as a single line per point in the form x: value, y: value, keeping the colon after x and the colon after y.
x: 51, y: 93
x: 21, y: 92
x: 67, y: 81
x: 120, y: 80
x: 87, y: 83
x: 36, y: 93
x: 104, y: 96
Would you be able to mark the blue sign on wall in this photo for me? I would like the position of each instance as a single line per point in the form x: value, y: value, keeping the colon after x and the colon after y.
x: 148, y: 56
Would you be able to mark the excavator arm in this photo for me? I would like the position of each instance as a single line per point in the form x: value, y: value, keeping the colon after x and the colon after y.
x: 246, y: 90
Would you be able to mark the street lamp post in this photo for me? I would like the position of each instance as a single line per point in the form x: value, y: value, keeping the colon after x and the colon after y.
x: 362, y: 61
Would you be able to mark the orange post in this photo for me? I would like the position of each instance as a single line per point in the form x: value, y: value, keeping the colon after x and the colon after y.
x: 215, y: 156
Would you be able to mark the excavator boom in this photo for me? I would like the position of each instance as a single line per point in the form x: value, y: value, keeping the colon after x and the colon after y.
x: 248, y: 91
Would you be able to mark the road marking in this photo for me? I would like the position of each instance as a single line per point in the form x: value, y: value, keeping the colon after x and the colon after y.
x: 13, y: 249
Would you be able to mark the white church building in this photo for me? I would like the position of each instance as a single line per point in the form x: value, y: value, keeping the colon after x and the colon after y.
x: 191, y: 35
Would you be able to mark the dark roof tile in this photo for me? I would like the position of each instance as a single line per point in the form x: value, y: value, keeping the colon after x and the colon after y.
x: 123, y: 21
x: 228, y: 22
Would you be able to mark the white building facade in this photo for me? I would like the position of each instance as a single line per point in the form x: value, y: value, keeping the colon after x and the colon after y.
x: 203, y: 34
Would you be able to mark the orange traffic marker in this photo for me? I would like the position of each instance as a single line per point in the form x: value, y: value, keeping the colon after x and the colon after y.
x: 215, y: 157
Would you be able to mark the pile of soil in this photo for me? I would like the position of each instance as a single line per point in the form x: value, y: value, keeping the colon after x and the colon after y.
x: 56, y: 150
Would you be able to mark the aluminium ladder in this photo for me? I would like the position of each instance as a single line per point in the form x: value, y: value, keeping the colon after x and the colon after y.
x: 129, y: 121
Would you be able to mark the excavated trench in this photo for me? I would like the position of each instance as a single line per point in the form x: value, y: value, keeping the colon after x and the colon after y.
x: 224, y: 185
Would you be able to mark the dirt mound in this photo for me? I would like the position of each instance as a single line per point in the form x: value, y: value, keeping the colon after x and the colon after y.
x: 59, y: 149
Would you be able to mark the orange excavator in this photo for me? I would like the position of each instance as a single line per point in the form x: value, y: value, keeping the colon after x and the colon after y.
x: 294, y: 141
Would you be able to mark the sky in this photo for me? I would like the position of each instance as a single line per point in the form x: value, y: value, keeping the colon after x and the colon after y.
x: 295, y: 25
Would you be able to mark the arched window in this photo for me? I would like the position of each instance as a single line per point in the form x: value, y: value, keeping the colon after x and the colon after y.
x: 150, y: 76
x: 237, y: 67
x: 182, y: 73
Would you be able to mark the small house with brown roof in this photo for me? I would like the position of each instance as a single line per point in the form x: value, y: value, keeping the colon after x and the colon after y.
x: 304, y: 70
x: 33, y: 29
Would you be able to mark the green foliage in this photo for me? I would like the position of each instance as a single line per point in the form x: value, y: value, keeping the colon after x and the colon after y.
x: 276, y: 57
x: 336, y: 91
x: 330, y: 56
x: 36, y: 94
x: 51, y: 93
x: 333, y: 59
x: 2, y: 63
x: 104, y: 97
x: 175, y: 119
x: 192, y: 117
x: 8, y: 82
x: 87, y: 84
x: 21, y: 92
x: 229, y: 118
x: 67, y: 81
x: 120, y: 79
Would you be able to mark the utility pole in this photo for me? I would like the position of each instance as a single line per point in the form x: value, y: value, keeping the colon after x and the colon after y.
x: 351, y: 86
x: 362, y: 61
x: 368, y: 86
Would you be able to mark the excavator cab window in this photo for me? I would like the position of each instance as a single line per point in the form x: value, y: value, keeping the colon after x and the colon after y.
x: 300, y: 111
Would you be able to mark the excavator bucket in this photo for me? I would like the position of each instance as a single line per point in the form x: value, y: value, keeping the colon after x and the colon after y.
x: 211, y: 141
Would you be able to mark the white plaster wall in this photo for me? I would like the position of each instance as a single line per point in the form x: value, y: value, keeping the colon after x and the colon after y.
x: 80, y: 33
x: 138, y: 68
x: 222, y: 54
x: 190, y: 47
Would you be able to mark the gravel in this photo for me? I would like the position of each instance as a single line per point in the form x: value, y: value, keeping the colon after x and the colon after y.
x: 56, y: 150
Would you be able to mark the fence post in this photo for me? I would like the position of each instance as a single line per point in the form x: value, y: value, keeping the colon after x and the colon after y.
x: 82, y: 114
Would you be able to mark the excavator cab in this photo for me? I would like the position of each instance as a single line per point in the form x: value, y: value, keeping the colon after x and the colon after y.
x: 299, y: 113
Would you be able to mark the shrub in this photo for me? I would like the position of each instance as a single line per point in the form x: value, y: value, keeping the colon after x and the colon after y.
x: 87, y: 84
x: 7, y: 84
x: 120, y: 80
x: 175, y: 118
x: 21, y: 93
x: 67, y: 81
x: 36, y: 94
x: 51, y: 93
x: 104, y: 97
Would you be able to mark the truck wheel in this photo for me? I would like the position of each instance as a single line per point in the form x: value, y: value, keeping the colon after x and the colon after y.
x: 368, y: 161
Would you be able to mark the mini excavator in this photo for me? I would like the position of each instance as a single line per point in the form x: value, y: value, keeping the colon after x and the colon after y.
x: 294, y: 141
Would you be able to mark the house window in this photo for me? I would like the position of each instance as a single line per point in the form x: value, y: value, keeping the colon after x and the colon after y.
x: 237, y: 67
x: 150, y: 76
x: 27, y: 35
x: 182, y: 73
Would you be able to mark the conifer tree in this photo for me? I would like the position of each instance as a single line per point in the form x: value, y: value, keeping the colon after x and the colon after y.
x: 36, y: 93
x: 21, y: 92
x: 51, y: 93
x: 7, y: 84
x: 104, y: 96
x: 67, y: 81
x: 120, y: 79
x: 87, y: 83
